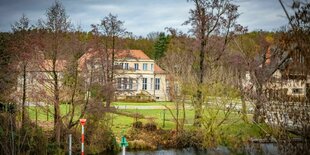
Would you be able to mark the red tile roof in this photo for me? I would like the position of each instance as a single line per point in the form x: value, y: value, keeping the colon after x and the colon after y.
x: 158, y: 70
x: 87, y: 56
x: 136, y: 54
x: 119, y: 54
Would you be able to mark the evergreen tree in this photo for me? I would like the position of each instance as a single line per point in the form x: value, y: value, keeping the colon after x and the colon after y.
x: 160, y: 46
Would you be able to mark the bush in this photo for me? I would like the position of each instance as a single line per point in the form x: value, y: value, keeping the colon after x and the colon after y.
x: 137, y: 125
x: 150, y: 126
x: 139, y: 145
x: 33, y: 138
x: 189, y: 138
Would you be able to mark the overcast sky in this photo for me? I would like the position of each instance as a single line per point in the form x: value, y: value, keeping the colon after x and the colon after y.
x: 140, y: 16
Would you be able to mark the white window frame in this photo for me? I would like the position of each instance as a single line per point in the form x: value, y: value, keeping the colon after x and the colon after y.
x: 144, y: 84
x: 157, y: 83
x: 145, y: 66
x: 126, y: 66
x: 125, y: 83
x: 136, y: 65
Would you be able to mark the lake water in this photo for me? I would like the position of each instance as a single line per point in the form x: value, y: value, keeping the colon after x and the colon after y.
x: 270, y: 149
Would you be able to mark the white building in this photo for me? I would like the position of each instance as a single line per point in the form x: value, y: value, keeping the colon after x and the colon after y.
x: 136, y: 76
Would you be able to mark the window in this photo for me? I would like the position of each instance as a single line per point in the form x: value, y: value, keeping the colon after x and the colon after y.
x: 297, y: 91
x: 130, y: 84
x: 136, y: 66
x: 144, y: 84
x: 144, y: 66
x: 119, y: 83
x: 157, y: 83
x: 126, y: 66
x: 152, y: 67
x: 125, y: 81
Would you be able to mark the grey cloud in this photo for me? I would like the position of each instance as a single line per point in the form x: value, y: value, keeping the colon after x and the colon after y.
x: 140, y: 16
x: 263, y: 14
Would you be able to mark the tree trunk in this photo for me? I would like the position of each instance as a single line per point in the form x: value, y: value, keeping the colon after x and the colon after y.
x: 111, y: 94
x: 199, y: 98
x: 198, y: 109
x: 244, y: 108
x: 24, y: 94
x: 57, y: 121
x: 72, y: 102
x: 258, y: 115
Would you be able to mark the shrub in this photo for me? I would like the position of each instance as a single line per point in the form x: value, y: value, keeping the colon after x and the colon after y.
x: 150, y: 126
x: 139, y: 145
x: 190, y: 138
x: 34, y: 140
x: 137, y: 125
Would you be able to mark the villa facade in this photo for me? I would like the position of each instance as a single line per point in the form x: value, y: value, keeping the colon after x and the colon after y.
x: 136, y: 76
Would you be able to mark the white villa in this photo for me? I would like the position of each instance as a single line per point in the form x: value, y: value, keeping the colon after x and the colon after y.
x: 136, y: 75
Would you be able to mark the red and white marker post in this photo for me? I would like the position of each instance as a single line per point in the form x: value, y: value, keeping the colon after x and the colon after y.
x: 82, y: 121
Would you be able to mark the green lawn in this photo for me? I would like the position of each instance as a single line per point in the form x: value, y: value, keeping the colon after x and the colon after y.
x: 156, y: 115
x: 234, y: 125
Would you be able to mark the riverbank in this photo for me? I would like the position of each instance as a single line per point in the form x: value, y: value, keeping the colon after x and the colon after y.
x: 158, y: 128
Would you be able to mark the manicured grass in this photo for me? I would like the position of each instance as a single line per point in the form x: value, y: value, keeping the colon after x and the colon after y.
x: 233, y: 126
x: 156, y: 115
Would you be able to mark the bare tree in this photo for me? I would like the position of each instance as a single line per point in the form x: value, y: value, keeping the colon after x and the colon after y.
x: 56, y: 25
x: 177, y: 63
x: 110, y: 29
x: 210, y: 19
x: 73, y: 80
x: 23, y: 47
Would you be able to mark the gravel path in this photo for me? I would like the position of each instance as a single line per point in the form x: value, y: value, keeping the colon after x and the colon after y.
x: 146, y: 107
